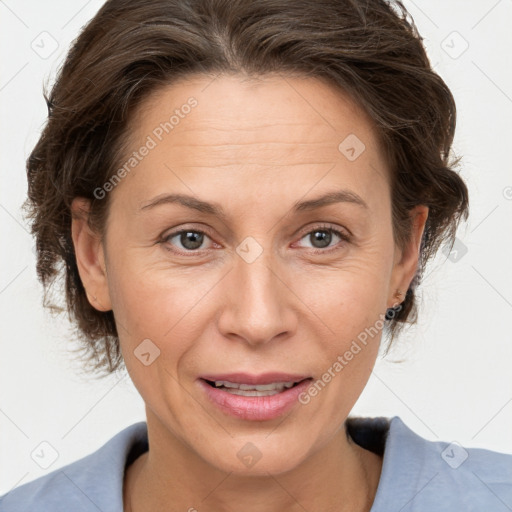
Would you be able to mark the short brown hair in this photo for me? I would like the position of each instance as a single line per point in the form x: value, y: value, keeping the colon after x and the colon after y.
x: 370, y: 49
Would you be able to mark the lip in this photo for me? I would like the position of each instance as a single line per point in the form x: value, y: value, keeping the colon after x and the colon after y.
x: 254, y: 408
x: 263, y: 378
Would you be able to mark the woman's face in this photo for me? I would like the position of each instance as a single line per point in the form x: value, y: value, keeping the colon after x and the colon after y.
x: 271, y: 278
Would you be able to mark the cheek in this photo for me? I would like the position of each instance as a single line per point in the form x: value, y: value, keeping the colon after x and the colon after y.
x: 140, y: 305
x: 163, y: 305
x: 353, y: 309
x: 349, y: 305
x: 356, y: 321
x: 154, y: 313
x: 350, y: 294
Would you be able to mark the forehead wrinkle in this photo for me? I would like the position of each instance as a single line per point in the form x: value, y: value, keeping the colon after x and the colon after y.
x: 230, y: 126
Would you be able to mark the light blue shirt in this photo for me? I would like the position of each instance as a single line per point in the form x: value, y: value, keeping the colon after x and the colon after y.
x: 417, y: 475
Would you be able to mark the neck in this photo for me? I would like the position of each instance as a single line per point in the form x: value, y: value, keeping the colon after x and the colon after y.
x: 340, y: 476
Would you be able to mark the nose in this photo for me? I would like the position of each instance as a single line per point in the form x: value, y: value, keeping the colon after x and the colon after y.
x: 260, y: 304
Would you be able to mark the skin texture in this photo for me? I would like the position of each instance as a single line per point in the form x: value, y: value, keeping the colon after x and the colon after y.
x: 255, y: 147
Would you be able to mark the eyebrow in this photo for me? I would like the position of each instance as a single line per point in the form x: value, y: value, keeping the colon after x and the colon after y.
x: 338, y: 196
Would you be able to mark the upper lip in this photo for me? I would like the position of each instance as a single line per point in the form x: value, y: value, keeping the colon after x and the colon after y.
x: 263, y: 378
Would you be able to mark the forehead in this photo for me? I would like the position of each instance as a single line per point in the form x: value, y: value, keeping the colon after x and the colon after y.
x: 255, y: 132
x: 235, y: 108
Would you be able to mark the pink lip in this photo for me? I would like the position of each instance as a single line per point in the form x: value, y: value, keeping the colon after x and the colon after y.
x: 255, y: 408
x: 264, y: 378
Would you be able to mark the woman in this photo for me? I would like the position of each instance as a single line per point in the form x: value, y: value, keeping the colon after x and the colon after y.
x: 244, y: 195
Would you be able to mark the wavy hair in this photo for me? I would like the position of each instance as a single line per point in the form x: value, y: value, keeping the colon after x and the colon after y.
x: 370, y: 49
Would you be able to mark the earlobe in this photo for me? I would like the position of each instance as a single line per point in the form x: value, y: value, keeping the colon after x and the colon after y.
x: 90, y: 257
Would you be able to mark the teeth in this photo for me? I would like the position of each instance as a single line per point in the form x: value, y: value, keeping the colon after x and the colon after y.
x: 251, y: 392
x: 254, y: 389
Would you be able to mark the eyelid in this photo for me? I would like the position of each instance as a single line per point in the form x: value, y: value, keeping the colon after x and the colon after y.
x: 327, y: 227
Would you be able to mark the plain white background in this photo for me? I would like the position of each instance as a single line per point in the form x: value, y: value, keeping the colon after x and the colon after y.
x: 454, y: 382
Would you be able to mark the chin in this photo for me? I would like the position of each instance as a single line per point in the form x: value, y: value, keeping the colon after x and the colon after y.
x: 255, y: 455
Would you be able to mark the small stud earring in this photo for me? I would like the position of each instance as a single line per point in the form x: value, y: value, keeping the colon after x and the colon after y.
x: 392, y: 311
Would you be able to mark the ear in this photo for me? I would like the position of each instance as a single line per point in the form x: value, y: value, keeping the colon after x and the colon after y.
x: 406, y: 259
x: 90, y: 256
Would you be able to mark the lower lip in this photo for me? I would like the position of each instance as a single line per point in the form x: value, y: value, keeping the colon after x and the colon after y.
x: 256, y: 408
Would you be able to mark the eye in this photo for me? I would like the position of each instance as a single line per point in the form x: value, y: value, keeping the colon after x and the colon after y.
x: 190, y: 240
x: 322, y: 236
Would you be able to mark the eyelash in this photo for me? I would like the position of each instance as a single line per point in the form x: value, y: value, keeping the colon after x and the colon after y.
x: 345, y: 237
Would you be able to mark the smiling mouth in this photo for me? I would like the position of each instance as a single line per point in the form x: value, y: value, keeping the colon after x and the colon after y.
x: 241, y: 389
x: 250, y: 397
